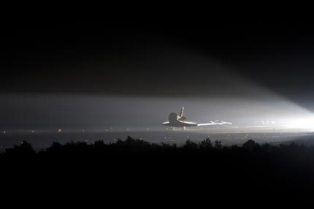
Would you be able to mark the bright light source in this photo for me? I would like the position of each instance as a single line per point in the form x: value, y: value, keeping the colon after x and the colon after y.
x: 301, y: 123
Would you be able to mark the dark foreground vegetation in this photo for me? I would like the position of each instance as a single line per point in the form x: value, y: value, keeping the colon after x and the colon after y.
x: 132, y: 164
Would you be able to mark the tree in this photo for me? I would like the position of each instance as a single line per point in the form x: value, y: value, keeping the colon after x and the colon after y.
x: 250, y: 145
x: 23, y: 149
x: 218, y: 144
x: 206, y: 144
x: 190, y: 145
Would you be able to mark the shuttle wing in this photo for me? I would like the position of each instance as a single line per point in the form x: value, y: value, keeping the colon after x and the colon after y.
x: 213, y: 123
x: 188, y: 123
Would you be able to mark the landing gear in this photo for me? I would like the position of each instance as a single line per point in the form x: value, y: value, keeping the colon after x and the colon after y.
x: 177, y: 128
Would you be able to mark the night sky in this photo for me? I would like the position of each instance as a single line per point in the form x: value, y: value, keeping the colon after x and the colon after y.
x: 94, y: 55
x: 102, y: 73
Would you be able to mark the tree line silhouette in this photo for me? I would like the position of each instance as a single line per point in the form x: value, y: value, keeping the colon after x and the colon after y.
x: 250, y: 166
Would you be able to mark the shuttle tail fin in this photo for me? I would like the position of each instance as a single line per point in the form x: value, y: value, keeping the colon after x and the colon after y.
x: 181, y: 112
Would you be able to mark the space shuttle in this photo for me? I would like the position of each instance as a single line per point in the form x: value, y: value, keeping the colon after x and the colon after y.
x: 179, y: 120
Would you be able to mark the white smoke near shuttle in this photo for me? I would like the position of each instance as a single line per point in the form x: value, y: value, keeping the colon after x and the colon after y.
x: 104, y: 112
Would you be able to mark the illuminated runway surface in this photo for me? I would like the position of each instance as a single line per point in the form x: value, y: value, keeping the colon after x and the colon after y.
x: 43, y: 139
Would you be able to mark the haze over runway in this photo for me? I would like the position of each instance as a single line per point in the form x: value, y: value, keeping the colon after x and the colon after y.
x: 76, y: 75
